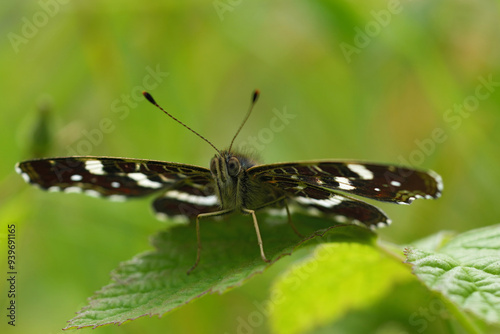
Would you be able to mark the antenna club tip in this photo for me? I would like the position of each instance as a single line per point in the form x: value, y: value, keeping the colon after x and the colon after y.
x: 255, y: 96
x: 149, y: 97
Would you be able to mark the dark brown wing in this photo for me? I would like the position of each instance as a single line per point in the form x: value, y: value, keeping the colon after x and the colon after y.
x: 113, y: 178
x: 385, y: 183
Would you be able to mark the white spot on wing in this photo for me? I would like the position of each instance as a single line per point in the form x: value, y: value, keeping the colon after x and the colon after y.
x: 313, y: 211
x: 150, y: 184
x: 341, y: 219
x: 326, y: 203
x: 361, y: 170
x: 337, y: 198
x: 380, y: 225
x: 161, y: 216
x: 94, y: 167
x: 53, y: 189
x: 117, y: 198
x: 439, y: 181
x: 76, y: 177
x: 177, y: 219
x: 276, y: 212
x: 26, y: 177
x: 74, y: 190
x: 115, y: 184
x: 92, y: 193
x: 193, y: 199
x: 143, y: 181
x: 396, y: 183
x: 344, y: 183
x: 137, y: 176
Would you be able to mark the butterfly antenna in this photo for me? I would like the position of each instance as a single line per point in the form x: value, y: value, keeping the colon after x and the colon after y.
x: 152, y: 101
x: 255, y: 96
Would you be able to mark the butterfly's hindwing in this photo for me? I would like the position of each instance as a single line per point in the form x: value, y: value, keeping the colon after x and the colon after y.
x: 325, y: 202
x: 345, y: 209
x: 115, y: 178
x: 380, y: 182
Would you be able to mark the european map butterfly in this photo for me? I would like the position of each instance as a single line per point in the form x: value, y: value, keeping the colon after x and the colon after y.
x: 236, y: 183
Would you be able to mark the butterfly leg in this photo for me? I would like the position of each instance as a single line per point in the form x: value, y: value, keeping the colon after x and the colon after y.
x: 198, y: 239
x: 259, y: 238
x: 289, y: 216
x: 290, y: 221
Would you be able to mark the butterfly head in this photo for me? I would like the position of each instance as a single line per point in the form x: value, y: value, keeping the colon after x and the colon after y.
x: 228, y: 167
x: 229, y: 171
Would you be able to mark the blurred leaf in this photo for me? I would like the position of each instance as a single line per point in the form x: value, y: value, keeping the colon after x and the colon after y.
x: 156, y: 282
x: 465, y: 270
x: 42, y: 134
x: 338, y: 278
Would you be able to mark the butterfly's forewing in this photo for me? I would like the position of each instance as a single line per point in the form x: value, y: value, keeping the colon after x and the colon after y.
x: 385, y: 183
x: 115, y: 178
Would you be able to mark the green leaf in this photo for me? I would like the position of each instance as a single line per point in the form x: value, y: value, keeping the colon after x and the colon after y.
x: 338, y: 278
x: 156, y: 282
x: 465, y: 270
x: 434, y: 241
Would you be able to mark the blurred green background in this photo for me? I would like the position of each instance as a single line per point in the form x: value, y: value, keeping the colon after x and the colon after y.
x: 413, y: 82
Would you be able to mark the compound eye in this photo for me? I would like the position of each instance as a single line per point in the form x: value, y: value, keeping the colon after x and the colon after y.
x: 233, y: 166
x: 213, y: 169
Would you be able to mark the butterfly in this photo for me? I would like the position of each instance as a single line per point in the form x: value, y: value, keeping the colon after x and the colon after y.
x: 236, y: 183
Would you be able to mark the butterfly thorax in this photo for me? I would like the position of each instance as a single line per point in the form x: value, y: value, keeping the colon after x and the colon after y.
x: 233, y: 185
